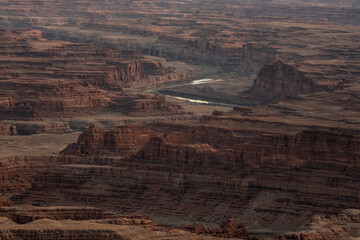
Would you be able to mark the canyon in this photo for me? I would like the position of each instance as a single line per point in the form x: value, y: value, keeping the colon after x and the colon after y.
x: 182, y: 119
x: 43, y: 78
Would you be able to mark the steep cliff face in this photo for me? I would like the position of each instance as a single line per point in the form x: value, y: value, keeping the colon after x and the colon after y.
x: 17, y: 176
x: 121, y: 141
x: 127, y: 73
x: 186, y: 157
x: 35, y: 100
x: 254, y: 56
x: 140, y: 72
x: 217, y: 136
x: 274, y: 181
x: 279, y: 80
x: 150, y: 105
x: 306, y: 147
x: 11, y: 169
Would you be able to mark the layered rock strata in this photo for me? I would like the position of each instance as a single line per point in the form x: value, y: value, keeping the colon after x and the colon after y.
x: 278, y: 81
x: 41, y: 78
x: 27, y: 214
x: 122, y: 140
x: 26, y: 222
x: 299, y: 175
x: 342, y: 226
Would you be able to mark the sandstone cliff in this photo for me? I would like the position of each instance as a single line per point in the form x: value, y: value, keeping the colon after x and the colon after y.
x: 41, y: 78
x: 312, y: 172
x: 143, y: 105
x: 121, y: 141
x: 279, y: 80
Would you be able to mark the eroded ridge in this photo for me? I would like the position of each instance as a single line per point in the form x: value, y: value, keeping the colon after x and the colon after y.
x: 41, y: 78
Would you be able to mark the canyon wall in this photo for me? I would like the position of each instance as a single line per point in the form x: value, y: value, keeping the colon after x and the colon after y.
x: 286, y: 170
x: 41, y: 78
x: 123, y: 141
x: 312, y: 172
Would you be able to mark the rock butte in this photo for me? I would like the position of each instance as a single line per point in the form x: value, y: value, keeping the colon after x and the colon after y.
x: 90, y: 149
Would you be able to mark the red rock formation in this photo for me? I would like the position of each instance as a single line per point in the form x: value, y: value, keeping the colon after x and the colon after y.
x: 127, y: 73
x: 296, y: 150
x: 229, y: 229
x: 76, y: 62
x: 150, y: 105
x: 63, y: 79
x: 206, y: 173
x: 121, y: 141
x: 280, y: 80
x: 298, y: 175
x: 26, y: 214
x: 36, y: 100
x: 129, y: 220
x: 5, y: 202
x: 186, y: 157
x: 345, y: 225
x: 17, y: 173
x: 7, y: 130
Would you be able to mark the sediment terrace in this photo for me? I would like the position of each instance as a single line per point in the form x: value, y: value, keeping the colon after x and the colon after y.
x: 61, y: 222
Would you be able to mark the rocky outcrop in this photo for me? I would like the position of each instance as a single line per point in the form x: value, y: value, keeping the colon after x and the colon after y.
x: 229, y: 229
x: 345, y: 225
x: 278, y: 150
x: 186, y: 157
x: 5, y: 202
x: 279, y: 80
x: 150, y: 105
x: 26, y: 214
x: 7, y: 130
x: 121, y: 141
x: 306, y: 147
x: 37, y: 100
x: 127, y: 73
x: 141, y: 73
